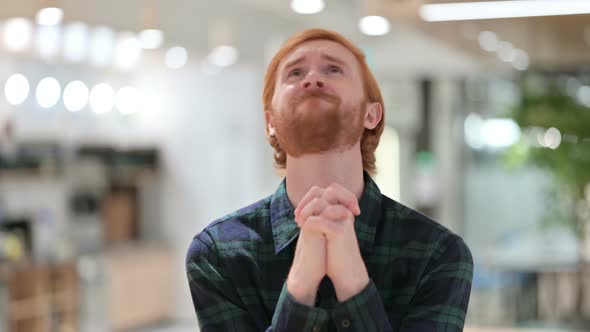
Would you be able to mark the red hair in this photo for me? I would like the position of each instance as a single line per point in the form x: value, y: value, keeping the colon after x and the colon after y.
x: 370, y: 137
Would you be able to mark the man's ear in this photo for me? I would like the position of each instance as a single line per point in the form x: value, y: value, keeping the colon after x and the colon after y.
x: 269, y: 123
x: 373, y: 115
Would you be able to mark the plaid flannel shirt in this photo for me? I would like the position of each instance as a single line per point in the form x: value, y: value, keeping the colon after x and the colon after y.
x: 420, y: 272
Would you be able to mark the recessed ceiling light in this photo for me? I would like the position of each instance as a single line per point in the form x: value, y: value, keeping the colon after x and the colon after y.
x: 49, y: 16
x: 16, y: 89
x: 307, y: 6
x: 374, y: 25
x: 176, y: 57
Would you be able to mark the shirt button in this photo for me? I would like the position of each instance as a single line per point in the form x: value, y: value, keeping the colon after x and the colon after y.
x: 345, y: 323
x: 316, y: 329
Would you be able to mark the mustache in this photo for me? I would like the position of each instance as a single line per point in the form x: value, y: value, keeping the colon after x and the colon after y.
x: 315, y: 93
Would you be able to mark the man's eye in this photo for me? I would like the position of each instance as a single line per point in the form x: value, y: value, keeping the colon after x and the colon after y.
x: 334, y: 69
x: 295, y: 72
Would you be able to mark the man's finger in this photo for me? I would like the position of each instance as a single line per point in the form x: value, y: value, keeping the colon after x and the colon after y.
x: 315, y: 207
x: 337, y: 194
x: 313, y: 192
x: 336, y: 213
x: 322, y: 225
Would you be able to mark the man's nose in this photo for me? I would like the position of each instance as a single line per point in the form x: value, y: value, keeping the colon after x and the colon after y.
x: 313, y: 81
x: 318, y: 83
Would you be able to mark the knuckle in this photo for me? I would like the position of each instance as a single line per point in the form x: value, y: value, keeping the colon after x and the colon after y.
x: 314, y: 204
x: 327, y: 211
x: 309, y: 206
x: 329, y: 192
x: 333, y: 208
x: 311, y: 220
x: 331, y: 211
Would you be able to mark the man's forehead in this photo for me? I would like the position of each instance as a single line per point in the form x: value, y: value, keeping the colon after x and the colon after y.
x: 323, y: 47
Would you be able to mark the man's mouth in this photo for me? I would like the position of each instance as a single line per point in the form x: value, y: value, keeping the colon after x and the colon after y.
x: 315, y: 95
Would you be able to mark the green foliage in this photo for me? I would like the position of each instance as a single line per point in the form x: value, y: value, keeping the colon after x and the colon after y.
x: 547, y: 105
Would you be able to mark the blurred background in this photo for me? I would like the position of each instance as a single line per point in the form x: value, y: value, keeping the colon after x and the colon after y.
x: 128, y: 126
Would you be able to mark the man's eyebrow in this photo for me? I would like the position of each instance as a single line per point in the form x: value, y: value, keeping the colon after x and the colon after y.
x: 323, y: 56
x: 294, y: 62
x: 334, y: 59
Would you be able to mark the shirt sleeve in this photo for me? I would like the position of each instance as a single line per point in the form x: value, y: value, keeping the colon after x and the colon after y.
x: 291, y: 315
x: 441, y: 300
x: 217, y: 304
x: 362, y: 312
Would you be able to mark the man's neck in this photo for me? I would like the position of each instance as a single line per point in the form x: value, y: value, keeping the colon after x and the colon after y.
x: 344, y: 167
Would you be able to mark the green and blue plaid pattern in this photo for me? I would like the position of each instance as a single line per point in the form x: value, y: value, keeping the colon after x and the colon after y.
x: 420, y: 272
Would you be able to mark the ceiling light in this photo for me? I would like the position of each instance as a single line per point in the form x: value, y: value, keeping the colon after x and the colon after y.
x: 16, y: 89
x: 520, y: 60
x: 500, y: 133
x: 374, y: 25
x: 75, y: 96
x: 47, y: 41
x: 176, y: 57
x: 473, y: 126
x: 307, y: 6
x: 102, y: 98
x: 151, y: 38
x: 502, y: 9
x: 223, y: 56
x: 75, y: 41
x: 127, y: 51
x: 552, y: 138
x: 488, y: 41
x: 505, y: 51
x: 102, y: 40
x: 18, y: 33
x: 49, y: 16
x: 48, y: 92
x: 493, y: 133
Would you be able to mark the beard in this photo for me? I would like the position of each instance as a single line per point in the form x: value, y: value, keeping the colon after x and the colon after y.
x: 316, y: 122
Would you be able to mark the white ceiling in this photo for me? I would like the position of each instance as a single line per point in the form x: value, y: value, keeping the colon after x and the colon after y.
x: 254, y: 23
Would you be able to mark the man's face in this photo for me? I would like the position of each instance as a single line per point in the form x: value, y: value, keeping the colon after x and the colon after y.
x: 319, y: 101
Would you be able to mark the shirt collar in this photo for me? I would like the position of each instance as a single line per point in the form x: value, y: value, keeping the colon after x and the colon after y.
x: 285, y: 229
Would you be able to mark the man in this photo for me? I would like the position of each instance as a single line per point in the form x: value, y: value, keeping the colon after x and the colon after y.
x: 327, y: 251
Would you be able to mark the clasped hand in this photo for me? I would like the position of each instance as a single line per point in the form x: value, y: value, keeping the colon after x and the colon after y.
x: 327, y: 245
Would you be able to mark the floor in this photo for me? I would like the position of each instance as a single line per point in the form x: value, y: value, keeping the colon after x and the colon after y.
x: 189, y: 326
